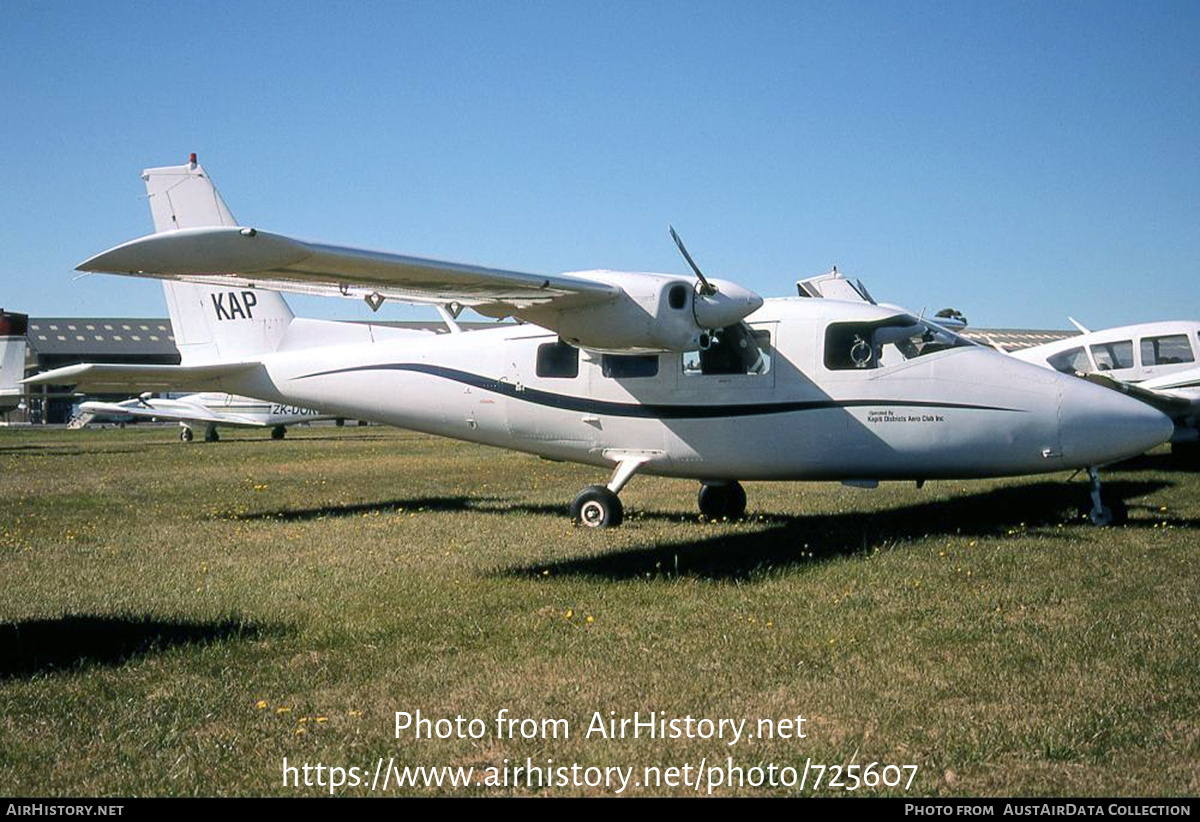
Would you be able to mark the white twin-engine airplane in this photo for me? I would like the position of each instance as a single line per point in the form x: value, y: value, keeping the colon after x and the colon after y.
x: 206, y: 411
x: 635, y: 372
x: 1158, y: 363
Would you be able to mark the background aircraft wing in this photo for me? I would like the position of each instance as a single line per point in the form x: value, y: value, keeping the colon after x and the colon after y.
x: 234, y: 255
x: 105, y: 378
x: 1180, y: 379
x: 133, y: 408
x: 1165, y: 401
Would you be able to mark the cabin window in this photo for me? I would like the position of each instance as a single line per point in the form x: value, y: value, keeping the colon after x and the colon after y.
x: 1113, y: 356
x: 1070, y: 361
x: 1167, y: 350
x: 864, y: 345
x: 737, y: 349
x: 628, y: 366
x: 558, y: 360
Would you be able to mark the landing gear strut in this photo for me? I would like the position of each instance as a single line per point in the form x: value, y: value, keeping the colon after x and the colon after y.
x: 722, y: 500
x: 1101, y: 514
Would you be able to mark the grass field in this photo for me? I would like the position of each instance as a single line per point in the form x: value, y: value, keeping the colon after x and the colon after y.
x: 176, y: 620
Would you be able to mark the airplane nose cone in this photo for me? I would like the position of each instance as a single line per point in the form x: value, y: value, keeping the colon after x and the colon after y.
x: 1098, y: 425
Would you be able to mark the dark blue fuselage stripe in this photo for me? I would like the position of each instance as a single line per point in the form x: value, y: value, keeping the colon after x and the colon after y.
x: 586, y: 405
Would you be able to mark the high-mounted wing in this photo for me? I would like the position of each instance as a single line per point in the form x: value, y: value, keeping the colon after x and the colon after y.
x: 198, y: 241
x: 602, y: 310
x: 252, y: 257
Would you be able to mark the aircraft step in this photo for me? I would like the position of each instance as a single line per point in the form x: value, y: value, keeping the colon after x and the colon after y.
x: 79, y: 420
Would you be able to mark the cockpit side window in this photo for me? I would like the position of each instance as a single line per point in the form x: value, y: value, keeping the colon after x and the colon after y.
x: 880, y: 343
x: 737, y: 349
x: 1167, y: 350
x: 1113, y: 356
x: 1071, y: 361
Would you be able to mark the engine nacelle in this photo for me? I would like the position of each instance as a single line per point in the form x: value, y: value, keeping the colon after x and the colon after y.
x: 654, y: 313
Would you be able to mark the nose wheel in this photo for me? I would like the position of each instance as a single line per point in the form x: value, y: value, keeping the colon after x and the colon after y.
x: 722, y: 500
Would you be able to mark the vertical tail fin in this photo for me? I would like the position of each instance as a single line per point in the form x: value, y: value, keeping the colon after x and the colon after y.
x: 210, y: 324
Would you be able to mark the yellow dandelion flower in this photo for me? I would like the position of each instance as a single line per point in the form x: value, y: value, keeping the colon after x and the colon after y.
x: 262, y: 703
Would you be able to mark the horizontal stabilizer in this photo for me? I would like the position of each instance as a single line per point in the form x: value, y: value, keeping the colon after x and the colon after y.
x: 101, y: 377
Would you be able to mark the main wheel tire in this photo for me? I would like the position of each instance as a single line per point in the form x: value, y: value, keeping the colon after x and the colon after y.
x: 278, y: 432
x: 597, y: 507
x: 726, y: 500
x: 186, y: 434
x: 211, y: 435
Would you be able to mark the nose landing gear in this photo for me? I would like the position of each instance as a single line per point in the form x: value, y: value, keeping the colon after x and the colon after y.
x: 1100, y: 514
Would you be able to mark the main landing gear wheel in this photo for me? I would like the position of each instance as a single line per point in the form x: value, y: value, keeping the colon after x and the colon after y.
x: 725, y: 500
x: 186, y: 434
x: 211, y: 435
x: 597, y: 507
x: 278, y: 432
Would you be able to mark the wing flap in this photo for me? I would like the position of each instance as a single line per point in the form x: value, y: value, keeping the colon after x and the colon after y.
x: 274, y: 261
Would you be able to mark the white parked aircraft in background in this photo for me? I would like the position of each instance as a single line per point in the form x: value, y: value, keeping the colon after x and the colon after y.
x: 1158, y: 363
x: 12, y: 359
x: 635, y: 372
x: 206, y: 411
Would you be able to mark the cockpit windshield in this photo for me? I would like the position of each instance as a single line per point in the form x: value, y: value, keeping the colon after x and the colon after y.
x: 880, y: 343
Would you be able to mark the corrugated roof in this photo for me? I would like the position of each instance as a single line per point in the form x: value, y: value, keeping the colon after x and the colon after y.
x: 96, y: 338
x: 1014, y: 339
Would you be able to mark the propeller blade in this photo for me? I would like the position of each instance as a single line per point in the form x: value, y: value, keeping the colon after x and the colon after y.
x: 706, y: 289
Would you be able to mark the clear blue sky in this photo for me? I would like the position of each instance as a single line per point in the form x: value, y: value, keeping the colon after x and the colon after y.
x: 1018, y: 161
